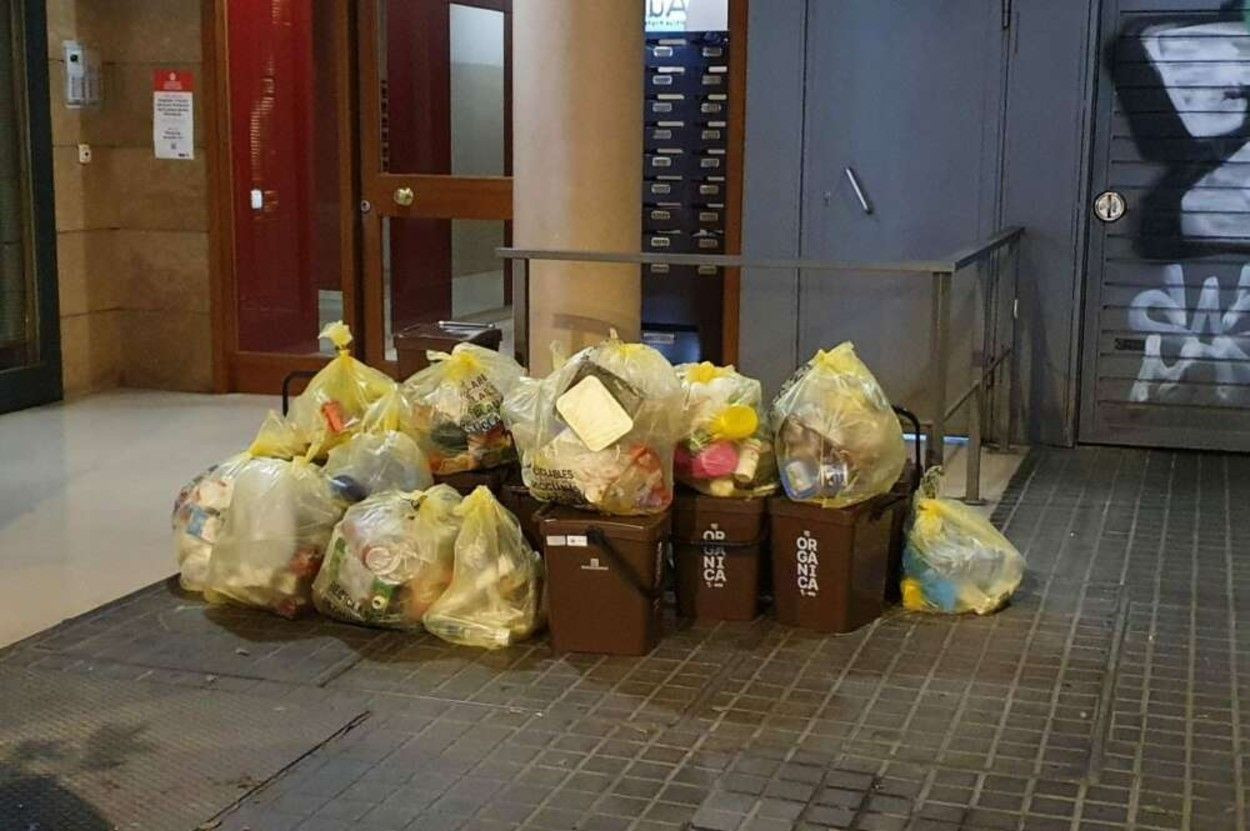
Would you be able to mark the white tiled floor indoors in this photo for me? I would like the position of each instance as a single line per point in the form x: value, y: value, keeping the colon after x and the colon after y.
x: 86, y: 489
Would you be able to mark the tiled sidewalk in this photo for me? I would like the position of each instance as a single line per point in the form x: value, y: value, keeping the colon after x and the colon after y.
x: 1108, y: 696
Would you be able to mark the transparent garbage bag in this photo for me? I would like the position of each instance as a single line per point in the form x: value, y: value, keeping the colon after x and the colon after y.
x: 390, y: 558
x: 199, y: 511
x: 370, y: 463
x: 599, y: 431
x: 837, y: 439
x: 332, y: 406
x: 201, y: 506
x: 274, y: 536
x: 456, y: 408
x: 725, y: 449
x: 278, y: 439
x: 494, y: 599
x: 955, y: 561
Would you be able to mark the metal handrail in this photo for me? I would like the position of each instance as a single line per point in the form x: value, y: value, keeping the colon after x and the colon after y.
x: 955, y: 262
x: 940, y: 272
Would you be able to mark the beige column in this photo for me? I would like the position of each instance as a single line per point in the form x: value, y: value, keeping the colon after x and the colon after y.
x: 577, y: 164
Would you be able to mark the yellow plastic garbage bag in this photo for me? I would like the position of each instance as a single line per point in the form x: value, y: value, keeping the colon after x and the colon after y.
x: 837, y: 439
x: 496, y: 586
x: 390, y: 558
x: 331, y: 407
x: 599, y: 432
x: 393, y: 411
x: 726, y: 448
x: 955, y: 560
x: 200, y: 507
x: 457, y: 401
x: 278, y: 439
x: 370, y: 463
x: 273, y: 536
x: 199, y: 511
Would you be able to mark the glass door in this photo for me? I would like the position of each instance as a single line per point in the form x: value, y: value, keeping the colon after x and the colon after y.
x: 435, y: 115
x: 30, y: 352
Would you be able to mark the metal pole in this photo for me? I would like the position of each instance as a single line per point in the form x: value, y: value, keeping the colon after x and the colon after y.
x: 972, y: 483
x: 941, y: 349
x: 521, y: 310
x: 1013, y: 366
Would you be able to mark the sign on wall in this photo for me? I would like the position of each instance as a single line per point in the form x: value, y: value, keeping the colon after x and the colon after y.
x: 173, y: 116
x: 687, y: 15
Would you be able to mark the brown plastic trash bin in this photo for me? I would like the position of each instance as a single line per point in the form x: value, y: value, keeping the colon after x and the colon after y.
x: 412, y: 343
x: 717, y: 547
x: 493, y: 478
x: 605, y: 580
x: 830, y: 564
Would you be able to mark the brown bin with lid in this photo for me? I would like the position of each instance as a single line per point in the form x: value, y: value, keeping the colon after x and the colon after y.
x: 605, y: 580
x: 412, y: 343
x: 830, y: 565
x: 492, y: 478
x: 717, y: 550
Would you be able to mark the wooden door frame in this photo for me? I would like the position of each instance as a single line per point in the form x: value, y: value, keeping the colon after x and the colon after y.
x: 435, y: 196
x: 236, y: 370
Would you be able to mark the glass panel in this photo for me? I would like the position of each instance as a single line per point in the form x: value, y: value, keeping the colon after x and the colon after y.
x: 286, y: 166
x: 442, y: 74
x: 19, y: 320
x: 442, y: 269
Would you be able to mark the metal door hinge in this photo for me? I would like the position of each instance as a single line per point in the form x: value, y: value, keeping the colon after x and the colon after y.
x: 1006, y: 14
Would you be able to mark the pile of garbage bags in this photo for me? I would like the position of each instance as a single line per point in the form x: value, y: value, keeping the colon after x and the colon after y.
x: 335, y: 506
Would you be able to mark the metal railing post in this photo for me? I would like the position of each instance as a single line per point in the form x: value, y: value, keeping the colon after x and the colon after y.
x: 941, y: 353
x: 972, y: 479
x: 521, y: 313
x: 1013, y: 361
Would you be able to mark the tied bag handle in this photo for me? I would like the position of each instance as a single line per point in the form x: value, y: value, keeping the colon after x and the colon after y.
x: 595, y: 535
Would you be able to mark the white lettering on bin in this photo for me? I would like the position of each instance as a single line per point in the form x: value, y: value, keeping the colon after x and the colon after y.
x: 808, y: 563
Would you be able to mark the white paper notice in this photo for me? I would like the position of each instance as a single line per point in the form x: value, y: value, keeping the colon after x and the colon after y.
x: 173, y: 118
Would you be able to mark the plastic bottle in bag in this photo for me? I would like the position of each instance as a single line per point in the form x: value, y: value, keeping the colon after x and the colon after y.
x: 725, y: 449
x: 955, y: 560
x: 599, y: 432
x: 369, y: 463
x: 837, y: 439
x: 496, y: 587
x: 390, y: 558
x: 330, y: 409
x: 457, y: 401
x: 273, y: 536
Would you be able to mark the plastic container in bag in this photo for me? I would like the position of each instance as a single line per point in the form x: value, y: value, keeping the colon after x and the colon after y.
x: 273, y: 537
x: 726, y: 449
x: 838, y: 441
x: 457, y: 401
x: 598, y: 433
x: 494, y: 599
x: 955, y: 560
x: 369, y: 463
x: 331, y: 408
x: 390, y: 558
x: 198, y: 515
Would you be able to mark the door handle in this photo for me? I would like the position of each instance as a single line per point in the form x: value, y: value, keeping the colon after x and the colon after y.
x: 404, y: 197
x: 859, y: 191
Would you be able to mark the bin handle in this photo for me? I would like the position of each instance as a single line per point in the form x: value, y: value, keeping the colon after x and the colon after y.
x: 600, y: 539
x: 722, y: 544
x: 886, y: 504
x: 908, y: 415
